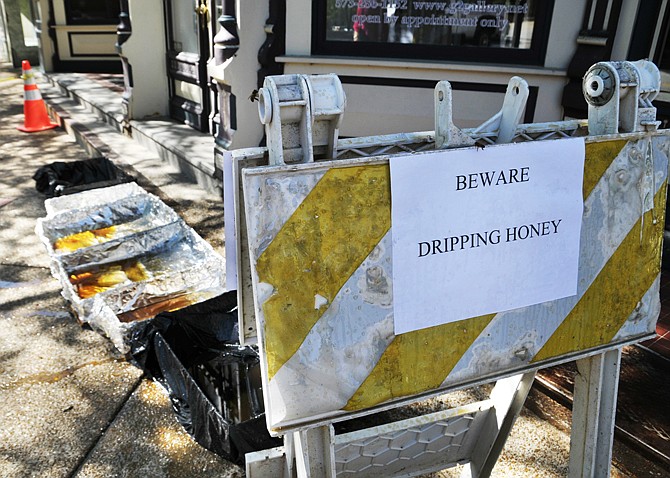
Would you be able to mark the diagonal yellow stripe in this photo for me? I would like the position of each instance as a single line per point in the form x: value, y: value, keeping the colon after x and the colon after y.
x: 614, y: 294
x: 598, y: 157
x: 321, y: 245
x: 417, y: 361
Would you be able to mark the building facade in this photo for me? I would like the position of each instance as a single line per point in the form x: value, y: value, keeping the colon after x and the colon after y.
x: 200, y: 61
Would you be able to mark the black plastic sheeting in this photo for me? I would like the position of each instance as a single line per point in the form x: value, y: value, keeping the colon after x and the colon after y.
x: 213, y: 382
x: 60, y: 178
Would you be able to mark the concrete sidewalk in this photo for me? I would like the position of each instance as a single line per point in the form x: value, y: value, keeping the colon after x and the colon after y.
x: 71, y: 406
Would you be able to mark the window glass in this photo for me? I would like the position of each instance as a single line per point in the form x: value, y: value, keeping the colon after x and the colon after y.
x: 184, y: 27
x: 92, y: 12
x: 402, y: 27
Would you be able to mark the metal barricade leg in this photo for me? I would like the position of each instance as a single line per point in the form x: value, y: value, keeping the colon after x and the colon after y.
x: 314, y: 454
x: 593, y: 411
x: 508, y: 396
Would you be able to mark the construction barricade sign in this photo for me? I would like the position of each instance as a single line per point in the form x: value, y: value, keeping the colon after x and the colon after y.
x: 321, y: 245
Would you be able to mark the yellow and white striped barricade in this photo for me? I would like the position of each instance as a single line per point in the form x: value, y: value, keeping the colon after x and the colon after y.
x: 318, y: 236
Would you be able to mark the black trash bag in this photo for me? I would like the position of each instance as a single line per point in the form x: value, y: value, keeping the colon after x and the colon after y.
x: 60, y: 178
x: 194, y: 353
x: 209, y: 325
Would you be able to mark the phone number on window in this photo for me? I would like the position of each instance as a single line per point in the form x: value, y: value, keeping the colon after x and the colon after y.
x: 397, y: 4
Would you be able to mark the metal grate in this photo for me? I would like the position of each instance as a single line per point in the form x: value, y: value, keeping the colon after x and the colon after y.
x: 366, y: 147
x: 395, y: 447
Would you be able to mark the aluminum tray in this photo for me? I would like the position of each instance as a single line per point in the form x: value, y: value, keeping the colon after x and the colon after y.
x: 143, y: 224
x: 92, y: 197
x: 183, y: 269
x: 187, y: 267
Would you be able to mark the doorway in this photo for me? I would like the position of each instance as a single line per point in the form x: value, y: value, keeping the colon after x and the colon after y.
x: 188, y: 50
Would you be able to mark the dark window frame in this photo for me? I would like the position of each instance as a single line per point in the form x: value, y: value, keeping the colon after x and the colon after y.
x: 535, y: 55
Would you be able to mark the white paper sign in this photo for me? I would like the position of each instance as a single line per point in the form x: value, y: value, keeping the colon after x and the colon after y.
x: 479, y: 231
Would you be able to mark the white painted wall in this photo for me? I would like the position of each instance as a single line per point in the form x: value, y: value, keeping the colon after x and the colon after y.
x: 298, y: 27
x: 46, y: 43
x: 384, y: 110
x: 381, y: 109
x: 145, y: 50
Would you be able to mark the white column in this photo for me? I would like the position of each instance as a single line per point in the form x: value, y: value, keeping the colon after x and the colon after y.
x: 145, y: 50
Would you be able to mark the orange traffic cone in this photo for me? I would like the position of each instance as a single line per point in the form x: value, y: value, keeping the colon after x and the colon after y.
x: 34, y: 109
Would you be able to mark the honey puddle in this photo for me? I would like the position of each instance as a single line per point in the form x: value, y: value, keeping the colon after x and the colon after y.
x: 92, y: 282
x: 84, y: 239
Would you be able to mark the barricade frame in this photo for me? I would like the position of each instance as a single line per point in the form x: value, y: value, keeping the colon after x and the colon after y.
x: 309, y: 448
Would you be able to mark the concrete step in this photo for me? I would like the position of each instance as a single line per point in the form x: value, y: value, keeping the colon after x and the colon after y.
x: 168, y: 153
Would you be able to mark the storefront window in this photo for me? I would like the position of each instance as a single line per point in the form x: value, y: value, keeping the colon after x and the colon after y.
x: 481, y: 30
x: 92, y: 12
